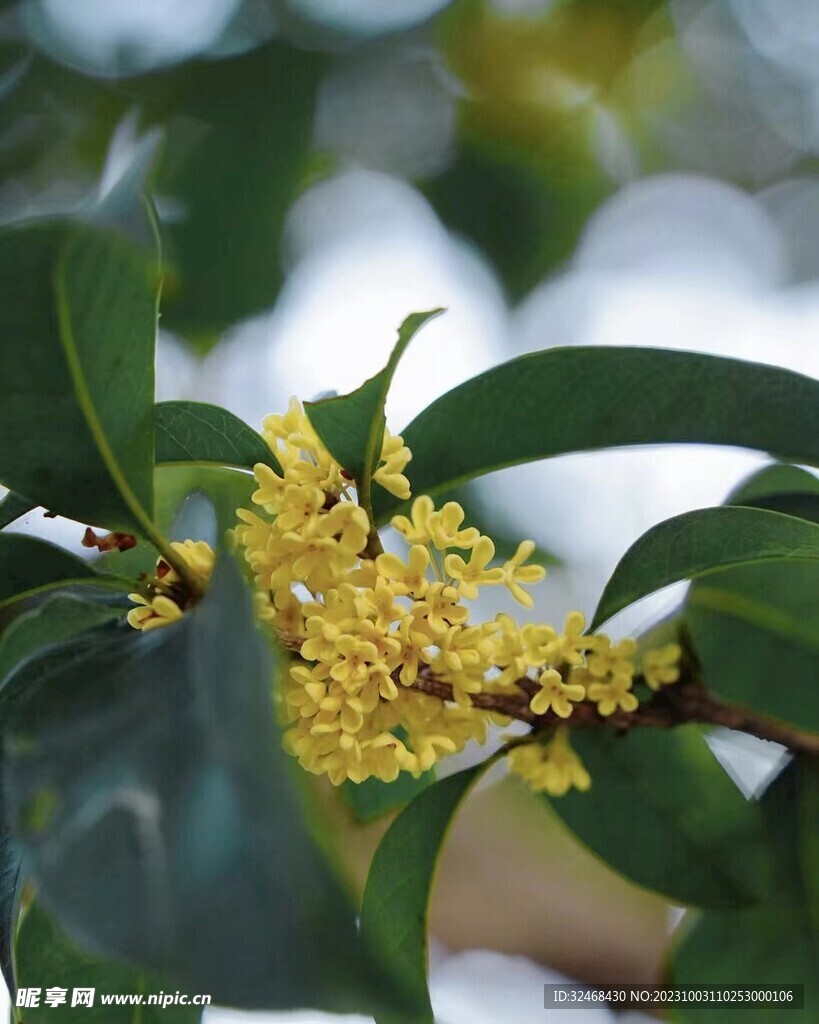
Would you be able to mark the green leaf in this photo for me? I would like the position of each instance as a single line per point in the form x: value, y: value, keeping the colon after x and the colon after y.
x: 58, y: 617
x: 77, y: 328
x: 755, y: 629
x: 662, y: 812
x: 12, y: 507
x: 781, y: 488
x: 755, y: 632
x: 775, y: 942
x: 198, y: 432
x: 352, y: 426
x: 237, y: 150
x: 776, y: 479
x: 162, y: 822
x: 11, y: 886
x: 579, y: 399
x: 701, y: 543
x: 47, y: 959
x: 225, y: 488
x: 29, y: 566
x: 373, y: 798
x: 399, y: 882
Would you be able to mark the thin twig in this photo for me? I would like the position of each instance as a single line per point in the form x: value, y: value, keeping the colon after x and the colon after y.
x: 683, y: 702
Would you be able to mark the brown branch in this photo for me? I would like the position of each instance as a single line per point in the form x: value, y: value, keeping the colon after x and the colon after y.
x: 678, y: 704
x: 687, y: 701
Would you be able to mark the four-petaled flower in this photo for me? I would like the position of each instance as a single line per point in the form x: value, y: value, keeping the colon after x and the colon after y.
x: 515, y: 573
x: 556, y: 695
x: 474, y: 573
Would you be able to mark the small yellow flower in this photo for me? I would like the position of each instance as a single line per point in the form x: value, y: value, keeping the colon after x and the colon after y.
x: 310, y: 555
x: 280, y: 427
x: 445, y: 528
x: 440, y: 608
x: 414, y: 642
x: 288, y: 616
x: 556, y: 695
x: 356, y: 659
x: 416, y: 530
x: 662, y: 665
x: 306, y: 692
x: 515, y: 573
x: 271, y: 488
x: 158, y: 611
x: 614, y: 694
x: 553, y: 768
x: 607, y: 659
x: 380, y: 602
x: 409, y: 578
x: 569, y: 645
x: 391, y: 473
x: 473, y: 574
x: 300, y: 505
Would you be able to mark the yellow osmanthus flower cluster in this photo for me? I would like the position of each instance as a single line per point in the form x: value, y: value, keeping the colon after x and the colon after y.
x: 371, y: 630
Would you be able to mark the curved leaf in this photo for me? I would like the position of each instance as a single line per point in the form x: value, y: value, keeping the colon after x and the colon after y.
x: 701, y: 543
x: 579, y: 399
x: 780, y: 488
x: 198, y: 432
x: 55, y: 620
x: 47, y: 958
x: 396, y: 896
x: 29, y: 565
x: 373, y: 798
x: 663, y: 812
x: 77, y: 328
x: 12, y: 507
x: 755, y: 629
x: 775, y: 942
x: 778, y: 478
x: 352, y: 426
x: 161, y: 820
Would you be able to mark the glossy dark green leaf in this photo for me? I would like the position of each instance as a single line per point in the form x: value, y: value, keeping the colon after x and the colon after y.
x: 703, y: 543
x: 163, y: 823
x: 373, y: 798
x: 47, y: 959
x: 12, y: 507
x: 755, y: 629
x: 29, y: 565
x: 778, y: 478
x: 352, y: 426
x: 237, y: 149
x: 775, y: 942
x: 578, y: 399
x: 781, y: 488
x: 58, y: 617
x: 396, y: 897
x: 662, y: 811
x: 198, y: 432
x: 77, y: 328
